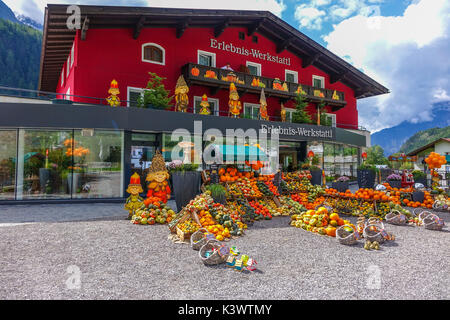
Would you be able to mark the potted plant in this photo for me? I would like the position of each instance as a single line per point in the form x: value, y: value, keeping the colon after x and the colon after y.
x: 394, y: 180
x: 186, y: 181
x: 366, y: 174
x: 341, y: 184
x: 218, y: 193
x: 420, y: 177
x: 155, y: 96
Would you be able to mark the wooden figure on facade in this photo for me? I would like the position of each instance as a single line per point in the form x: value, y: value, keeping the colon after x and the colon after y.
x: 234, y: 104
x: 113, y: 99
x: 263, y: 107
x: 204, y: 106
x: 283, y: 113
x: 134, y: 201
x: 157, y: 179
x: 181, y: 97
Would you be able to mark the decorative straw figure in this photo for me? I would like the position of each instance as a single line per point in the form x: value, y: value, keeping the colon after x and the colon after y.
x: 263, y: 108
x: 234, y: 104
x: 181, y: 97
x: 113, y: 100
x: 134, y: 201
x: 283, y: 113
x: 157, y: 179
x: 204, y: 106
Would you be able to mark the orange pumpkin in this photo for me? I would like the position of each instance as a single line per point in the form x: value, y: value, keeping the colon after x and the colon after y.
x: 195, y: 71
x: 331, y: 231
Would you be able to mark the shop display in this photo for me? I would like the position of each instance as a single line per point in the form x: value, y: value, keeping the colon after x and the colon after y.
x: 153, y: 214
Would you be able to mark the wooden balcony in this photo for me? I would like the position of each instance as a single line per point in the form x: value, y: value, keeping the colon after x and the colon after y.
x: 217, y: 79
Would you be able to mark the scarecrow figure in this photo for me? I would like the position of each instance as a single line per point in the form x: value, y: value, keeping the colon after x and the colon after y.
x: 263, y: 108
x: 157, y: 179
x: 181, y: 97
x: 204, y: 106
x: 283, y: 113
x: 234, y: 104
x: 113, y: 100
x: 134, y: 201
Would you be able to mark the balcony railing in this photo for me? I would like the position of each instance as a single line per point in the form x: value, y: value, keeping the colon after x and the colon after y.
x: 221, y: 78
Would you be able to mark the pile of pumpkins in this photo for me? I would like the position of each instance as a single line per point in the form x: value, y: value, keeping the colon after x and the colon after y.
x: 319, y: 221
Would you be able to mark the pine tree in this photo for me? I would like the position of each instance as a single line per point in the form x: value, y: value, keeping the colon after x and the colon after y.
x: 300, y: 115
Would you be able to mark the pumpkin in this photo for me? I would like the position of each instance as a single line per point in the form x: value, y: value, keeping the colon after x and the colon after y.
x: 331, y: 231
x: 195, y: 71
x: 334, y: 216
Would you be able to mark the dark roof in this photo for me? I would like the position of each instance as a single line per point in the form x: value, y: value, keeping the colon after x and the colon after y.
x: 58, y: 39
x: 425, y: 147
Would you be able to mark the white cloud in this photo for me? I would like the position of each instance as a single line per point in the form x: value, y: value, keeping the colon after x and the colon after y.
x: 408, y: 54
x: 309, y: 17
x: 35, y: 8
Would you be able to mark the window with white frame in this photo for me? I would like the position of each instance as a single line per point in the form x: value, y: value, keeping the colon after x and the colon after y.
x: 254, y: 68
x: 251, y: 110
x: 213, y: 105
x: 332, y: 118
x: 318, y: 82
x: 72, y: 54
x: 291, y: 76
x: 206, y: 58
x: 289, y: 113
x: 153, y: 53
x: 133, y: 94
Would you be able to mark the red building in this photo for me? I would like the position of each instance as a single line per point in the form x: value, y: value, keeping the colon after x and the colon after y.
x: 125, y: 43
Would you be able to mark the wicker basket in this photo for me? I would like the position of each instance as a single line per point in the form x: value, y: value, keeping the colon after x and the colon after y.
x: 395, y: 217
x: 216, y: 257
x: 440, y: 206
x: 198, y: 239
x: 183, y: 235
x: 433, y: 222
x: 423, y: 215
x: 345, y: 238
x: 373, y: 233
x: 374, y: 222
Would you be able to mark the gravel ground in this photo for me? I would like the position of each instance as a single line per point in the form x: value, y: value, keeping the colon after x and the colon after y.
x: 118, y: 260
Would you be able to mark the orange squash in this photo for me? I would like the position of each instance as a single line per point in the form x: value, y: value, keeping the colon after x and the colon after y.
x: 331, y: 231
x: 195, y: 71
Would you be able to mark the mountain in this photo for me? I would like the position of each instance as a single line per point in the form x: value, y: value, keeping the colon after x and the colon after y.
x: 424, y: 137
x: 6, y: 13
x: 391, y: 139
x: 20, y: 51
x: 29, y: 22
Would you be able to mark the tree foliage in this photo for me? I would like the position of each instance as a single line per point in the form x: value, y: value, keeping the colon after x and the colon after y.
x: 300, y: 115
x: 20, y: 50
x: 155, y: 93
x: 375, y: 156
x: 423, y: 138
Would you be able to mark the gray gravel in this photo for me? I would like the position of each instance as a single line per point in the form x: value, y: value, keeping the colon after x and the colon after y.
x: 119, y: 260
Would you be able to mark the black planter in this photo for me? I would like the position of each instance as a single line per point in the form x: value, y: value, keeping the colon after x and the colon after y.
x: 366, y: 178
x: 395, y: 183
x: 422, y: 181
x: 340, y: 186
x: 44, y: 177
x: 186, y: 185
x: 418, y: 196
x: 316, y: 177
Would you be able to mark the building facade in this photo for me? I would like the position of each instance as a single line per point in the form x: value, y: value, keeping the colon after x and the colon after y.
x: 88, y: 150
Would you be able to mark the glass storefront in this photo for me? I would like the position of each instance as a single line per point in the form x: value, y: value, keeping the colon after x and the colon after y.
x: 61, y: 164
x: 340, y: 159
x: 8, y: 155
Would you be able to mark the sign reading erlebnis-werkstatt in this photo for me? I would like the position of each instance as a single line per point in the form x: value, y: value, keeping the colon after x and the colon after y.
x: 325, y: 133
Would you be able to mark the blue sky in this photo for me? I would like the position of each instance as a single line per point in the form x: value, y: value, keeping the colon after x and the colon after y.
x: 403, y: 44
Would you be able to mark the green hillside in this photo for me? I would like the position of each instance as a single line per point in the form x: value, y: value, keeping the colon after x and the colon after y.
x: 424, y: 137
x: 20, y: 50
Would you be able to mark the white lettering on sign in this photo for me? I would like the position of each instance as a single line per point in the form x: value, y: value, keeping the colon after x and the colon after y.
x: 257, y: 54
x: 303, y: 132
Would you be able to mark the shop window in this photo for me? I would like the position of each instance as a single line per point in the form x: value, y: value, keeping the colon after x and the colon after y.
x: 213, y: 105
x: 44, y: 166
x: 291, y: 76
x: 206, y: 58
x: 98, y: 166
x: 8, y: 150
x: 241, y: 35
x: 318, y: 82
x: 172, y: 150
x: 254, y: 68
x: 251, y: 111
x: 153, y: 53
